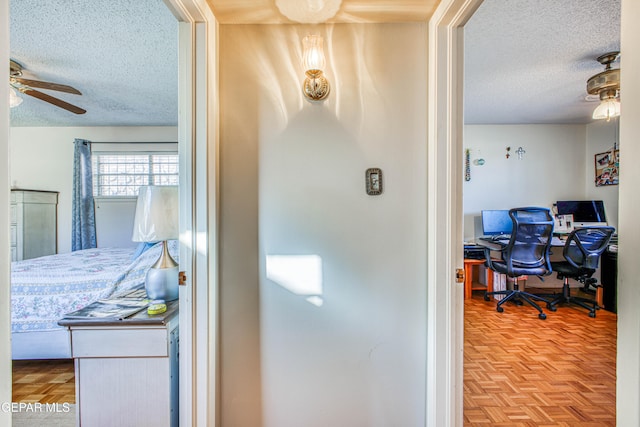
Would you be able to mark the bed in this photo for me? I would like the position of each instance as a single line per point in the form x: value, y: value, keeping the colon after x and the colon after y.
x: 44, y: 289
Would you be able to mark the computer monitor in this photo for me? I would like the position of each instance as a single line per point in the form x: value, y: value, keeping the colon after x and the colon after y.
x: 496, y: 222
x: 585, y: 212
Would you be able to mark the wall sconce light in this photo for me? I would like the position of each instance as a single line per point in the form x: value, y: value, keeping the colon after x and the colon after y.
x: 316, y: 86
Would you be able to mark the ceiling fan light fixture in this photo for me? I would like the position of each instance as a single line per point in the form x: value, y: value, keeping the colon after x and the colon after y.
x: 607, y: 109
x: 14, y: 99
x: 607, y: 86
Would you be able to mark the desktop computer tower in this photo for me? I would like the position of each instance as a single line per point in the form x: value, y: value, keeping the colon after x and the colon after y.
x: 609, y: 280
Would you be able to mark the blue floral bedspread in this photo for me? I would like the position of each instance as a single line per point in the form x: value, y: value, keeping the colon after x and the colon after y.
x: 44, y: 289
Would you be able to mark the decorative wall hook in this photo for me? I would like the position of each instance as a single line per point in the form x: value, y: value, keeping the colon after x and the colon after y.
x: 520, y: 152
x: 478, y: 161
x: 508, y: 150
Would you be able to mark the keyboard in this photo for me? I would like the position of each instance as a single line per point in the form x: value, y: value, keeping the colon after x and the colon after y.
x: 496, y: 238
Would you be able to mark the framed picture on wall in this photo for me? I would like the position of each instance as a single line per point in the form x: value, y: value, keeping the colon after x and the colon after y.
x: 607, y: 168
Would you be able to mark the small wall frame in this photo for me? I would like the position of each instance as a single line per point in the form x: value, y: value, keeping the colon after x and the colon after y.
x: 373, y: 180
x: 607, y: 168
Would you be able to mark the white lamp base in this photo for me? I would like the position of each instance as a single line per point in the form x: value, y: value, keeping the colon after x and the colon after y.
x: 162, y: 283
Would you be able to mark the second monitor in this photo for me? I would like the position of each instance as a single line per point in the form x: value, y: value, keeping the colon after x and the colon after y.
x: 585, y: 212
x: 496, y: 222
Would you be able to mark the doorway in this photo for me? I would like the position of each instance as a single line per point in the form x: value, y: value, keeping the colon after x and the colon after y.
x: 491, y: 161
x: 197, y: 402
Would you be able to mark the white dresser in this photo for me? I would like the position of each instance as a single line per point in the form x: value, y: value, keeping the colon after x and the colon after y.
x: 34, y: 224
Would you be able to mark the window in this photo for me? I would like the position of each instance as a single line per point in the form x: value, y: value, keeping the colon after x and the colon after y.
x: 121, y: 174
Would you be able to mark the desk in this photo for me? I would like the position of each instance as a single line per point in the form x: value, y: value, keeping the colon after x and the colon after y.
x: 127, y: 370
x: 497, y: 245
x: 471, y: 285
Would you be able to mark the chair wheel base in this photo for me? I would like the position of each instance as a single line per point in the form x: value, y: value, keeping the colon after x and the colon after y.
x: 551, y: 307
x: 499, y: 309
x: 486, y: 298
x: 542, y: 316
x: 592, y: 314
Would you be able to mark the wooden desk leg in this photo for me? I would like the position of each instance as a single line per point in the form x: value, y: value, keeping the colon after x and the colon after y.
x: 468, y: 277
x: 489, y: 280
x: 599, y: 296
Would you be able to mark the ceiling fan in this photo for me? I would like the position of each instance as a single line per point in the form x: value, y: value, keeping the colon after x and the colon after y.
x: 16, y: 81
x: 606, y: 86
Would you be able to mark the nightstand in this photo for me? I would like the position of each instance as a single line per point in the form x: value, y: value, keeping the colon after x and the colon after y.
x: 127, y: 370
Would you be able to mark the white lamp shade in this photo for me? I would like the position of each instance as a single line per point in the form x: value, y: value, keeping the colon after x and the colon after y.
x: 607, y: 109
x: 156, y: 214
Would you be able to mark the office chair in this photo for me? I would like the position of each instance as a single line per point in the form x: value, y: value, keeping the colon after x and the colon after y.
x: 526, y: 254
x: 582, y: 253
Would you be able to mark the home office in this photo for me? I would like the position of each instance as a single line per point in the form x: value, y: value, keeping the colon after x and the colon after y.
x: 517, y: 243
x: 557, y: 163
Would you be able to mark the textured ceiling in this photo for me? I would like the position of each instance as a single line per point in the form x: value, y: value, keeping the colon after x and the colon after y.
x: 121, y: 54
x: 526, y: 61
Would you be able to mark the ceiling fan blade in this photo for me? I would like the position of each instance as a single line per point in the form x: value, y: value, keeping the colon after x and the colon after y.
x: 47, y: 85
x: 52, y: 100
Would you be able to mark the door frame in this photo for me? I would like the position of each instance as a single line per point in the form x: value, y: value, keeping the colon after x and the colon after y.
x: 5, y: 257
x: 197, y: 129
x: 445, y: 310
x: 198, y: 136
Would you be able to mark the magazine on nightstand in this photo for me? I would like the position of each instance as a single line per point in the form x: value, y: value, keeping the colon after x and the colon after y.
x: 117, y: 307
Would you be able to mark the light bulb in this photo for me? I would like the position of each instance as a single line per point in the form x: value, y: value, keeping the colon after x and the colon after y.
x: 607, y: 109
x: 14, y: 99
x: 313, y: 58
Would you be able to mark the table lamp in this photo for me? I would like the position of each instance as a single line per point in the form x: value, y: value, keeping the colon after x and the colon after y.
x: 156, y: 220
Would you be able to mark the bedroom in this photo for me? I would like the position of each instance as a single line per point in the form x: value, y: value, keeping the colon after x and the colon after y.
x: 41, y: 135
x: 382, y: 258
x: 123, y: 105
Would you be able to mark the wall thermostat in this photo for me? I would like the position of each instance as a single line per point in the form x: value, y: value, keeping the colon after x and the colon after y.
x: 373, y: 181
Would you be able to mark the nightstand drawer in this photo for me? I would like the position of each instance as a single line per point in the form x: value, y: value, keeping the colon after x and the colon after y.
x: 123, y: 342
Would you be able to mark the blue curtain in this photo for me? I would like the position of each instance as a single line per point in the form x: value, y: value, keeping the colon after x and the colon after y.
x: 83, y: 230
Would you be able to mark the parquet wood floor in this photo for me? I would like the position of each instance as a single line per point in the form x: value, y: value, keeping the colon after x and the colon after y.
x: 523, y: 371
x: 518, y: 370
x: 44, y: 381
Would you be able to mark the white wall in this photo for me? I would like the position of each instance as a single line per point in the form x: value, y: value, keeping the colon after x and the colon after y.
x: 558, y: 164
x: 292, y: 184
x: 114, y: 222
x: 553, y: 168
x: 42, y: 159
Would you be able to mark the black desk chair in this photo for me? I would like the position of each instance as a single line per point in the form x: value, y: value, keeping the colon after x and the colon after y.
x: 526, y: 254
x: 582, y: 253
